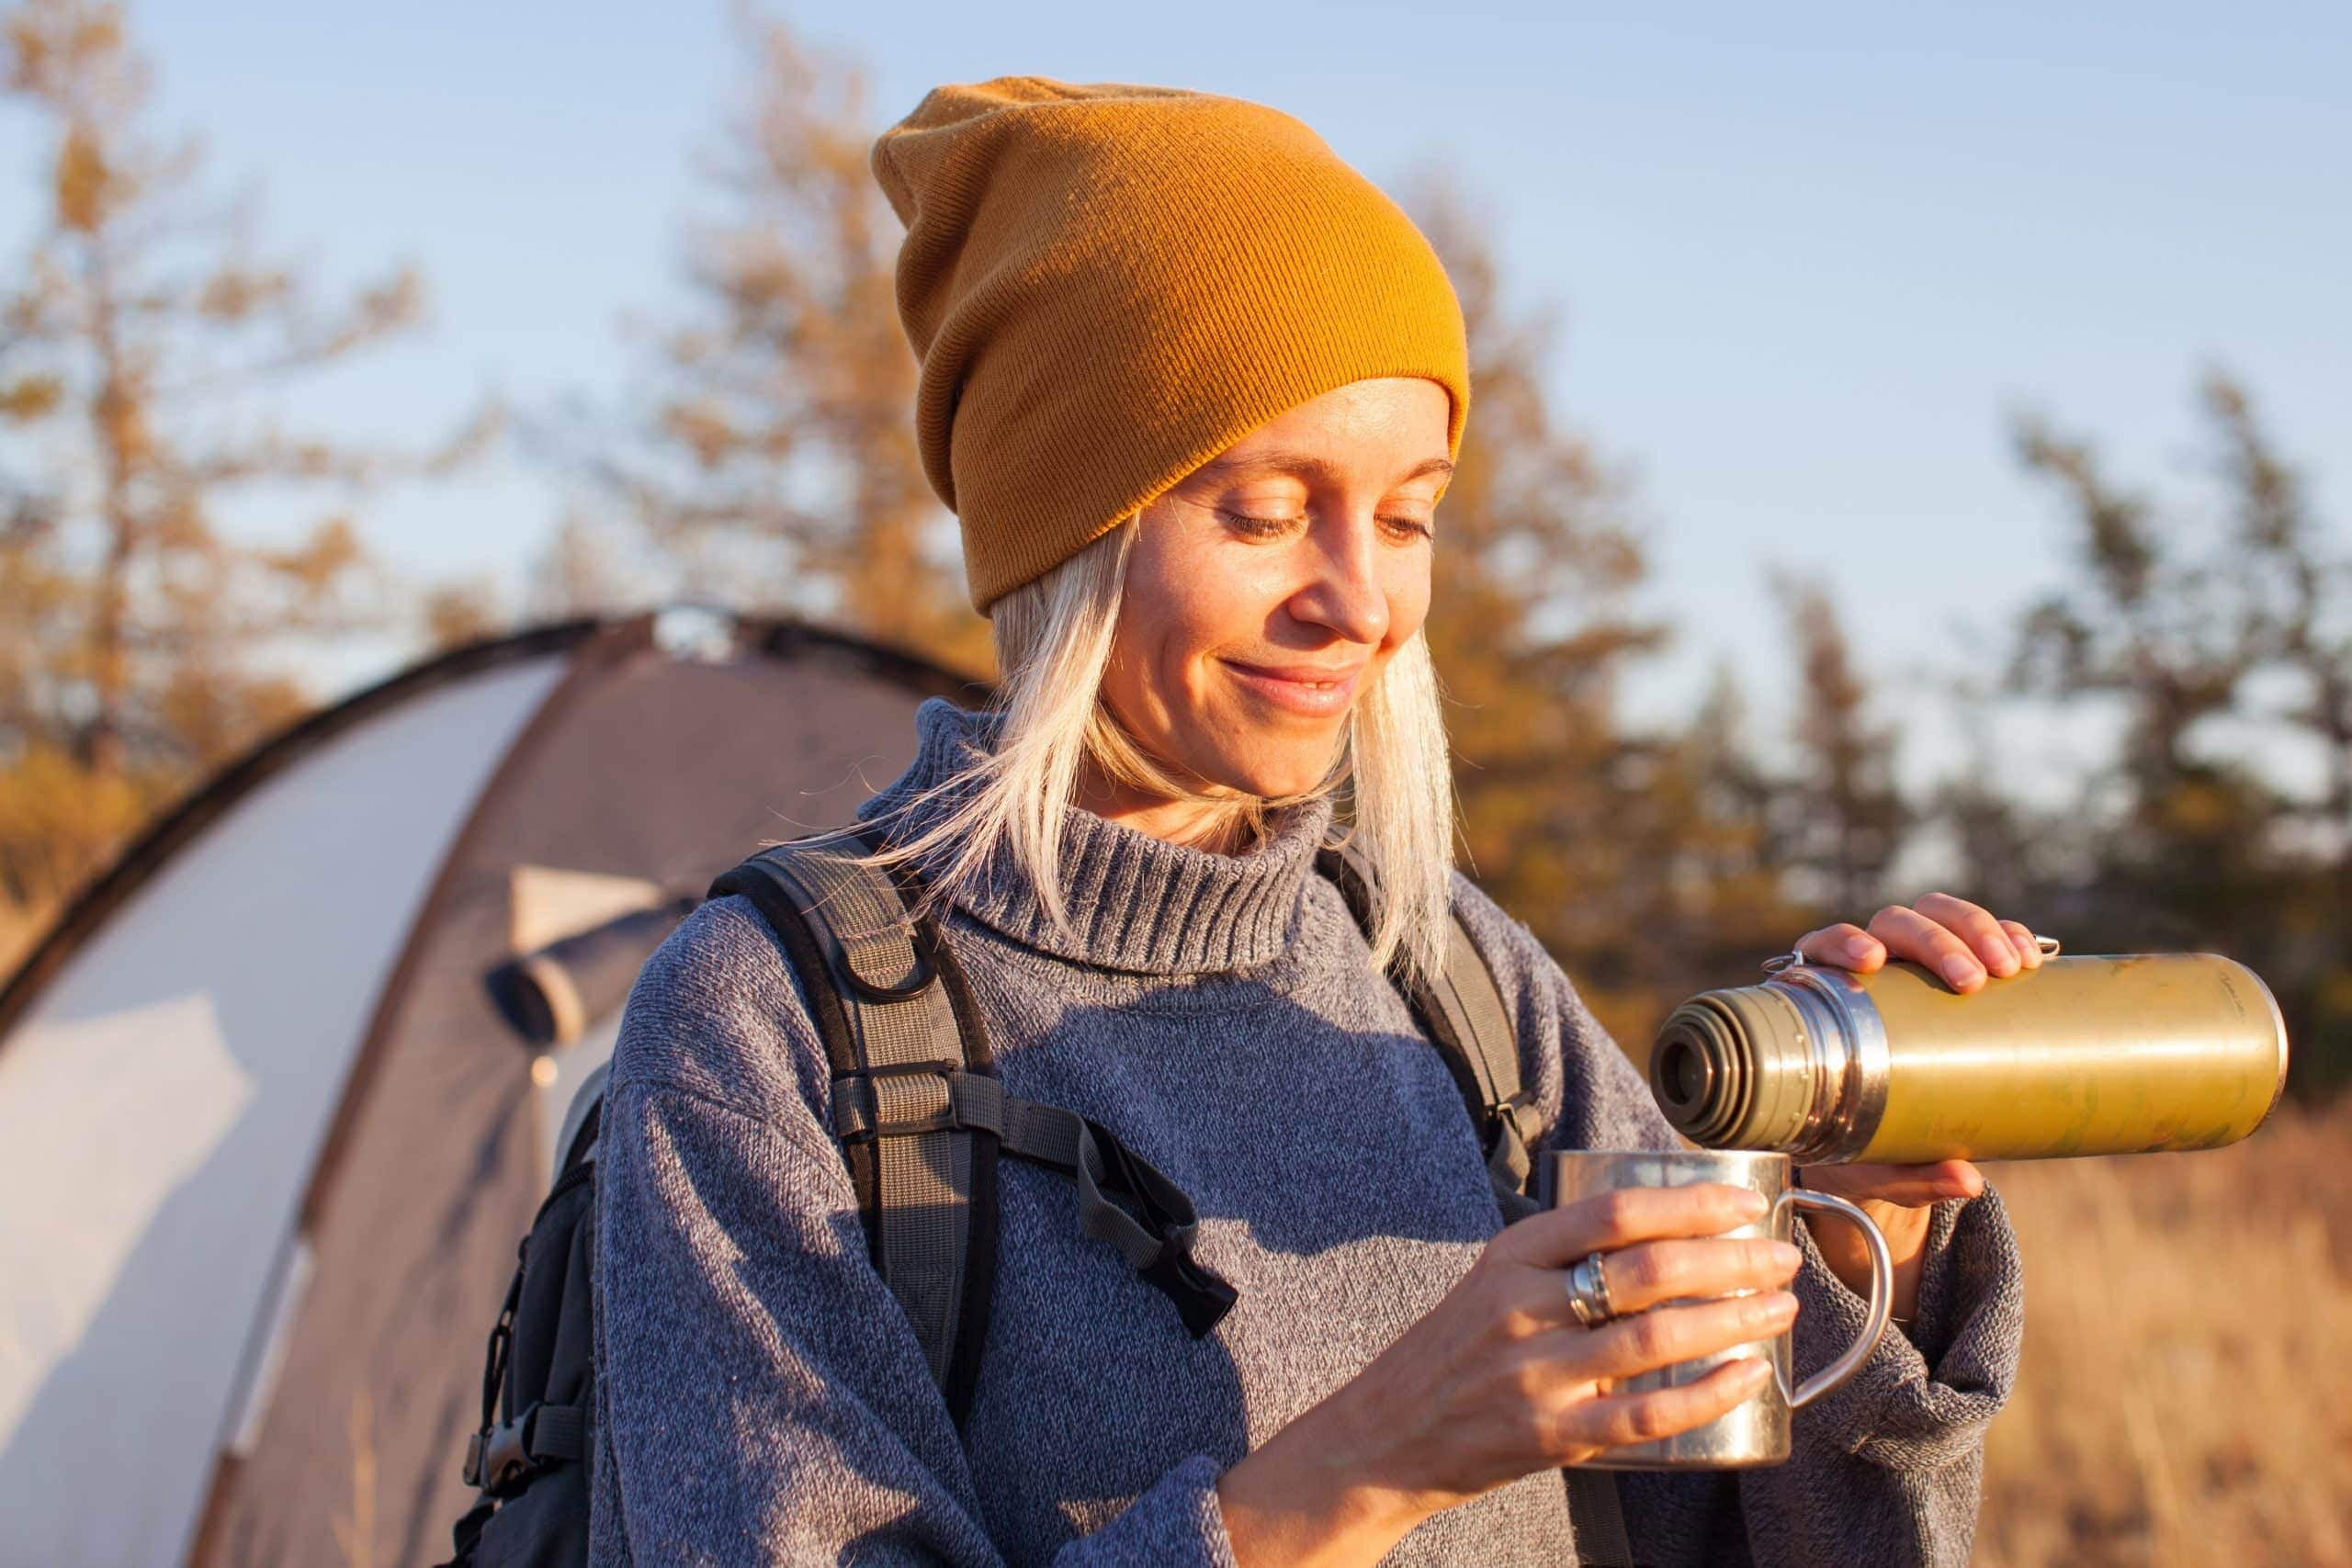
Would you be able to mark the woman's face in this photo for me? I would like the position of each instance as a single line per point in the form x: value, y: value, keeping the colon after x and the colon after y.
x: 1272, y: 585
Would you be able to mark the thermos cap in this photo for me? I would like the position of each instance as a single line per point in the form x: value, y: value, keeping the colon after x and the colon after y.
x: 1720, y: 1070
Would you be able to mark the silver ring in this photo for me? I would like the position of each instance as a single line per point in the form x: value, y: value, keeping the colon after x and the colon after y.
x: 1588, y: 1286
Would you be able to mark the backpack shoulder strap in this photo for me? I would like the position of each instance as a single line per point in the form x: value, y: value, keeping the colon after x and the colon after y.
x: 1462, y: 1011
x: 575, y: 1143
x: 922, y: 1118
x: 888, y: 1023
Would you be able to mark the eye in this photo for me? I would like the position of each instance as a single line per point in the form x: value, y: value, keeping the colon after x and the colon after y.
x: 1266, y: 527
x: 1257, y: 527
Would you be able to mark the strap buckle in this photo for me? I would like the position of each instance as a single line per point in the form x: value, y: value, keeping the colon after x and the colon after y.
x: 1510, y: 1113
x: 502, y: 1459
x: 886, y: 1101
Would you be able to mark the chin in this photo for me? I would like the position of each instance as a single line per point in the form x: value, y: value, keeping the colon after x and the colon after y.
x: 1224, y: 750
x: 1265, y: 776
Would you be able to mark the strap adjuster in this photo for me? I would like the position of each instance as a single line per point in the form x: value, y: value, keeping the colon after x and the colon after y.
x: 1512, y: 1113
x: 503, y: 1460
x: 896, y: 1099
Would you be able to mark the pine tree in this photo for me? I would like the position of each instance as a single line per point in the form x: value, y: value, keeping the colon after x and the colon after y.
x: 2194, y: 838
x: 1623, y: 850
x: 1846, y: 818
x: 140, y: 337
x: 770, y: 454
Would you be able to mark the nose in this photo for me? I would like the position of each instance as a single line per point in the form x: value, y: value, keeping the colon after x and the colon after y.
x: 1345, y: 593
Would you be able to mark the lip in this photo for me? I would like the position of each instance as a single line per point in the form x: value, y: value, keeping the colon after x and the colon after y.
x: 1300, y: 688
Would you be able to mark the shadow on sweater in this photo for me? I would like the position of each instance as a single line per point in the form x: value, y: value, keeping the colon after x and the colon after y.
x: 1340, y: 1192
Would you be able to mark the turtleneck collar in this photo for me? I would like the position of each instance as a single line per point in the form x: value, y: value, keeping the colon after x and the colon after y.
x: 1134, y: 902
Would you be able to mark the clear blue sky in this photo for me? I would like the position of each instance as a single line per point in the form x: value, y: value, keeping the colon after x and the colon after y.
x: 1807, y: 255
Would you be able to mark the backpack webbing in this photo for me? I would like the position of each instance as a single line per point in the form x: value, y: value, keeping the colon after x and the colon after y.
x: 540, y: 1368
x: 922, y: 1115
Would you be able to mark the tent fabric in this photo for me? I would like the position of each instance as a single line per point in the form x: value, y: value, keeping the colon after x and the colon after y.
x: 193, y: 1050
x: 309, y: 1142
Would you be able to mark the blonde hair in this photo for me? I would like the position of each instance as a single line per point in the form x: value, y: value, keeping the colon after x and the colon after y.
x: 1053, y: 635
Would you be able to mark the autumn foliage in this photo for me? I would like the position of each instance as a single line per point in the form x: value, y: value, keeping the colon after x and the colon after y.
x: 142, y: 643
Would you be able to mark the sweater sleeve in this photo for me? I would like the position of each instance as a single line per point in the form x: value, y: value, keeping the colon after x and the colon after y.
x: 761, y: 1397
x: 1884, y: 1470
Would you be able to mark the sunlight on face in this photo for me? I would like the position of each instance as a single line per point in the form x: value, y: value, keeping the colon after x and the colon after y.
x: 1272, y: 585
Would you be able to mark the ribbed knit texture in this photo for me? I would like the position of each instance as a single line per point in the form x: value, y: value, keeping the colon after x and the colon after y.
x: 1133, y: 902
x: 762, y: 1399
x: 1108, y: 284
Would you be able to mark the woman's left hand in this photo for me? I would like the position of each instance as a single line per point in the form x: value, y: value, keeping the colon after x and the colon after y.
x: 1964, y: 943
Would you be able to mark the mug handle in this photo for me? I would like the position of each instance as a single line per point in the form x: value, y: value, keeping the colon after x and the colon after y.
x: 1882, y: 1298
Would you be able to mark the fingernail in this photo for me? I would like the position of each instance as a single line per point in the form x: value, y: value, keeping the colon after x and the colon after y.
x: 1784, y: 1256
x: 1784, y: 1307
x: 1857, y: 947
x: 1751, y: 1202
x: 1755, y: 1371
x: 1958, y: 970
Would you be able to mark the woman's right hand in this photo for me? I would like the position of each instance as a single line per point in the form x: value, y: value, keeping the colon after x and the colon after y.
x: 1499, y: 1379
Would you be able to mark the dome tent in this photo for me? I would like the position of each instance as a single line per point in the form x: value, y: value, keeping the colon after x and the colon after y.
x: 267, y: 1140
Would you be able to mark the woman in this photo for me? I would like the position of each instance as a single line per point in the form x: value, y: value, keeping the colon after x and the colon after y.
x: 1194, y: 388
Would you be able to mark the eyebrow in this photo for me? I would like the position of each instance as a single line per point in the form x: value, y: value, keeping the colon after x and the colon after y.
x: 1302, y: 465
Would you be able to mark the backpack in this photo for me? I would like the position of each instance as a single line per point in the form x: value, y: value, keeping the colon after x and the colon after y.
x: 922, y: 1121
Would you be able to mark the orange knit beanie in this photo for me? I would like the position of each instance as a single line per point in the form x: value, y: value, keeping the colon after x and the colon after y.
x: 1109, y: 285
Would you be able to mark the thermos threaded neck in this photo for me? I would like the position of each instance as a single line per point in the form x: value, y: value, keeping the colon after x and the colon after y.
x: 1699, y: 1070
x: 1732, y: 1069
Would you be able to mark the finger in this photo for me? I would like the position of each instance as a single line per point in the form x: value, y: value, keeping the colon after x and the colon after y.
x: 1649, y: 1272
x: 1976, y: 927
x: 1645, y: 1341
x: 1845, y: 945
x: 2028, y: 945
x: 1913, y: 1186
x: 1622, y: 1216
x: 1612, y: 1420
x: 1910, y: 934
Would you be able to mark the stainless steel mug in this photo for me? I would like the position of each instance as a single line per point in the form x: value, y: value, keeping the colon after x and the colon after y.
x: 1755, y: 1431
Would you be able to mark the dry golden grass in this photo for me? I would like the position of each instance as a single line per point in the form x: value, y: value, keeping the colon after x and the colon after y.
x: 2187, y: 1392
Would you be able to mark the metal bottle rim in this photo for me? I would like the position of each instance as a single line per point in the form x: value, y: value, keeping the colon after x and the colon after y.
x: 1844, y: 1041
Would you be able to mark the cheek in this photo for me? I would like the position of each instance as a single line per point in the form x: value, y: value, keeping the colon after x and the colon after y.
x: 1180, y: 606
x: 1408, y: 598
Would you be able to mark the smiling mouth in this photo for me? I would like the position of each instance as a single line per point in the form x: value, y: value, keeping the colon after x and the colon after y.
x: 1314, y: 693
x: 1298, y: 681
x: 1315, y: 680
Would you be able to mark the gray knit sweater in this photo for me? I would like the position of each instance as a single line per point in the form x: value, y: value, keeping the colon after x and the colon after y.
x: 762, y: 1399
